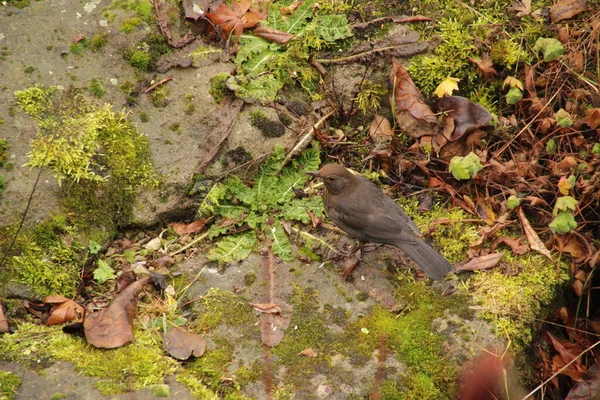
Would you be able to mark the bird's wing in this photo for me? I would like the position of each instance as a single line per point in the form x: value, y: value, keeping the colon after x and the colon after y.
x: 377, y: 219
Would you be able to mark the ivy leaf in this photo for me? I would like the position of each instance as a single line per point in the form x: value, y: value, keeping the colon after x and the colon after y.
x: 282, y: 247
x: 103, y: 272
x: 551, y: 47
x: 514, y: 95
x: 465, y: 167
x: 563, y: 223
x: 233, y: 248
x: 565, y: 203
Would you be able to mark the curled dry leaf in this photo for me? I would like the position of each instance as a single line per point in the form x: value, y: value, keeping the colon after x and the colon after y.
x: 566, y: 9
x: 485, y: 66
x: 308, y: 353
x: 63, y: 310
x: 467, y: 115
x: 268, y: 308
x: 534, y: 240
x: 412, y: 114
x: 182, y: 344
x: 4, y: 328
x: 272, y: 34
x: 113, y: 327
x: 481, y: 263
x: 182, y: 229
x: 516, y: 245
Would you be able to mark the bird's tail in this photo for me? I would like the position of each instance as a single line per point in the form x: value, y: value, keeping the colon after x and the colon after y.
x: 429, y: 260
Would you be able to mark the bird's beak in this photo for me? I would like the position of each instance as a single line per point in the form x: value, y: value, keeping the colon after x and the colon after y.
x: 313, y: 173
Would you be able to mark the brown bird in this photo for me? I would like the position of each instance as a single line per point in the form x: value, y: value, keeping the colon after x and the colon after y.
x: 362, y: 210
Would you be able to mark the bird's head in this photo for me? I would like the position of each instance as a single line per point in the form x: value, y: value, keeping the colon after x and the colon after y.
x: 335, y: 177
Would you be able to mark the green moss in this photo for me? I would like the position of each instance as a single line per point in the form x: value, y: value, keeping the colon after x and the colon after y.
x: 250, y: 278
x: 139, y: 364
x: 143, y: 8
x: 513, y: 302
x: 218, y: 307
x: 29, y: 70
x: 196, y: 387
x: 79, y: 47
x: 96, y: 88
x: 98, y: 41
x: 145, y: 53
x: 508, y: 53
x: 267, y: 127
x: 161, y: 391
x: 144, y: 117
x: 218, y: 89
x: 139, y: 59
x: 9, y: 383
x: 58, y: 396
x: 129, y: 25
x: 158, y: 97
x: 19, y: 3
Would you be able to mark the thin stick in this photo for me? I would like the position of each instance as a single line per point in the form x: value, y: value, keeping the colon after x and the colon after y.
x: 157, y: 84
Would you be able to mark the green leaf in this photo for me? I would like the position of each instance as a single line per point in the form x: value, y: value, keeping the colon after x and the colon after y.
x: 332, y: 27
x: 596, y: 148
x: 129, y: 255
x: 297, y: 209
x: 514, y: 95
x: 233, y: 248
x: 465, y: 167
x: 563, y: 118
x: 262, y: 88
x: 94, y: 247
x: 513, y: 202
x: 551, y: 146
x: 297, y: 21
x: 551, y: 47
x: 103, y: 272
x: 565, y: 203
x: 282, y: 247
x: 212, y: 200
x: 563, y: 223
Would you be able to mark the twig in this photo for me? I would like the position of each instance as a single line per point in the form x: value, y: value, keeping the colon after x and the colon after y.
x: 157, y: 84
x: 305, y: 140
x: 190, y: 244
x: 416, y: 18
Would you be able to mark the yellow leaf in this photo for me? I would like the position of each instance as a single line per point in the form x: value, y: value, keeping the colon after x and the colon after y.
x: 447, y: 87
x: 564, y: 186
x: 513, y: 82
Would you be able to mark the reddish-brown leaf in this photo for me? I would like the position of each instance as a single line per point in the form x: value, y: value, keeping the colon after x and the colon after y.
x: 163, y: 262
x: 534, y: 240
x: 412, y: 114
x: 112, y: 327
x: 272, y: 34
x: 308, y: 353
x: 235, y: 18
x: 272, y: 327
x: 522, y: 8
x: 467, y: 115
x: 516, y: 245
x: 182, y: 229
x: 593, y: 118
x: 485, y: 66
x: 350, y: 263
x: 64, y: 310
x: 588, y: 387
x: 182, y: 344
x: 4, y: 328
x: 268, y: 308
x: 480, y: 263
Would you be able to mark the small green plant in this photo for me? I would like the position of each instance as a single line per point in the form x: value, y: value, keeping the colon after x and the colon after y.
x: 465, y: 167
x: 263, y: 206
x: 218, y: 88
x: 98, y: 41
x: 79, y: 47
x: 564, y: 221
x: 158, y: 97
x: 369, y: 95
x: 96, y: 88
x: 139, y: 59
x: 129, y: 25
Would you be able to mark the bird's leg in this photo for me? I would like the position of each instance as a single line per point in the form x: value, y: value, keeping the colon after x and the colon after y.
x: 352, y: 259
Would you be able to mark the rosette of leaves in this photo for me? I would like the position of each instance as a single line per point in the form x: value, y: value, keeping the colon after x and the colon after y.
x: 286, y: 62
x: 261, y: 207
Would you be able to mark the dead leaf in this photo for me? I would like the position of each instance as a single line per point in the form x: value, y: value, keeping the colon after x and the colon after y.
x: 192, y: 227
x: 163, y: 262
x: 588, y: 387
x: 593, y: 118
x: 575, y: 246
x: 566, y: 9
x: 308, y: 352
x: 447, y: 87
x: 350, y: 263
x: 182, y: 344
x: 268, y: 308
x: 577, y: 287
x: 485, y: 211
x: 481, y: 263
x: 412, y: 114
x: 380, y: 126
x: 272, y: 34
x: 4, y: 328
x: 272, y: 327
x: 164, y: 23
x: 195, y: 9
x: 485, y: 66
x: 64, y: 310
x: 516, y: 245
x: 235, y: 18
x: 522, y: 8
x: 534, y: 240
x: 112, y: 327
x: 466, y: 114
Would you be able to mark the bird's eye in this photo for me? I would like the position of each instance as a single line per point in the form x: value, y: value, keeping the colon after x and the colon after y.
x: 330, y: 179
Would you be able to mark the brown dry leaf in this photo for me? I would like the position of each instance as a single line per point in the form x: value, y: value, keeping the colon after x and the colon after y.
x: 412, y: 114
x: 268, y: 308
x: 534, y: 240
x: 564, y: 186
x: 516, y: 245
x: 485, y: 66
x: 308, y: 353
x: 566, y: 350
x: 195, y: 9
x: 350, y: 263
x: 577, y: 60
x: 575, y: 246
x: 577, y: 287
x: 485, y: 211
x: 193, y: 227
x: 380, y: 126
x: 466, y: 114
x: 272, y: 327
x: 566, y: 166
x: 481, y: 263
x: 164, y: 23
x: 64, y: 310
x: 112, y: 327
x: 182, y: 344
x: 588, y: 387
x: 566, y: 9
x: 4, y: 328
x: 272, y: 34
x: 163, y: 263
x: 593, y: 118
x: 235, y: 18
x: 522, y: 8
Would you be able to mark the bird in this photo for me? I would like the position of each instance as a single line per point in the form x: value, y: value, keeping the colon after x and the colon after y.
x: 361, y: 209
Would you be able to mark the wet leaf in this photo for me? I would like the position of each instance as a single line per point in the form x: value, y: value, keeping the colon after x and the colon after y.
x: 480, y: 263
x: 182, y: 344
x: 566, y: 9
x: 412, y: 114
x: 447, y: 86
x: 112, y: 327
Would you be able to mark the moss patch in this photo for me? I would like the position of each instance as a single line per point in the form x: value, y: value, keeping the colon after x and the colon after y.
x: 219, y: 306
x: 9, y: 383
